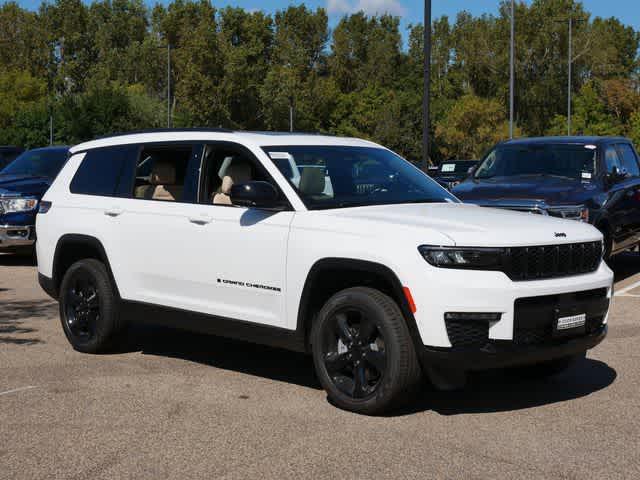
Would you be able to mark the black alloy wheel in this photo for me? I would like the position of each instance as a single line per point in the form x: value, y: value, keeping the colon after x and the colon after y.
x: 354, y: 353
x: 89, y: 307
x: 363, y: 353
x: 82, y: 307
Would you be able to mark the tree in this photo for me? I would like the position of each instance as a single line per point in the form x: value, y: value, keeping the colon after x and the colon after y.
x: 471, y: 127
x: 18, y: 90
x: 365, y: 50
x: 245, y: 42
x: 296, y: 62
x: 100, y: 66
x: 590, y: 115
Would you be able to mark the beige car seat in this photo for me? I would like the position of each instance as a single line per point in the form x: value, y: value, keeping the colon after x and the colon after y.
x: 238, y: 171
x: 162, y: 183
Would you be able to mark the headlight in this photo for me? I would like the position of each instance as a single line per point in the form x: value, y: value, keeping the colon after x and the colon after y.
x: 580, y: 213
x: 15, y: 205
x: 477, y: 258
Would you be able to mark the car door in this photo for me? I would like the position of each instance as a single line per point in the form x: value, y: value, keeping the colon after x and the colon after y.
x: 237, y: 261
x: 619, y: 205
x: 151, y: 226
x: 630, y: 163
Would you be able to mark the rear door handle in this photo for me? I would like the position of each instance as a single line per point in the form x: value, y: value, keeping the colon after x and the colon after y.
x: 113, y: 212
x: 203, y: 220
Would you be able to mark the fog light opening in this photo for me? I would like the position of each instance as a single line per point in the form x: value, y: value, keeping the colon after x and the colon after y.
x: 473, y: 316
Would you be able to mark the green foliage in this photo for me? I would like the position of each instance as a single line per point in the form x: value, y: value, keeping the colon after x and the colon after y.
x: 590, y: 115
x: 18, y: 91
x: 471, y: 127
x: 101, y: 67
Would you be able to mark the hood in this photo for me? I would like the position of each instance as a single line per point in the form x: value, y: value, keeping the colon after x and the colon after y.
x: 464, y: 225
x: 549, y: 189
x: 23, y: 185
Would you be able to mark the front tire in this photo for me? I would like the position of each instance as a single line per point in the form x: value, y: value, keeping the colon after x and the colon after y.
x: 89, y: 307
x: 363, y: 353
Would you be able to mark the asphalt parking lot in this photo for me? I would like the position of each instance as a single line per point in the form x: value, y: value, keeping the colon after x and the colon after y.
x: 178, y: 405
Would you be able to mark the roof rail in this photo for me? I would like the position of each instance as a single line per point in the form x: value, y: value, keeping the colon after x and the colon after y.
x: 285, y: 133
x: 166, y: 130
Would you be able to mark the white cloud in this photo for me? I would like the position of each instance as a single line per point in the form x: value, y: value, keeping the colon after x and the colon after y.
x: 370, y: 7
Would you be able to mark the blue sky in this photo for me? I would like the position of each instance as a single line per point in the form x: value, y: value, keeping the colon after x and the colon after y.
x: 411, y: 11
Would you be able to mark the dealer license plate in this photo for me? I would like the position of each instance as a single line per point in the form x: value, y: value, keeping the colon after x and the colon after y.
x: 572, y: 322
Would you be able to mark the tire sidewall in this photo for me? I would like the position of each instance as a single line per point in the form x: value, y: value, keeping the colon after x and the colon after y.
x: 105, y: 325
x: 385, y: 390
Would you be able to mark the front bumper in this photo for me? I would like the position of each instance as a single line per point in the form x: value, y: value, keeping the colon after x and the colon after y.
x: 16, y: 236
x: 451, y: 290
x: 504, y: 354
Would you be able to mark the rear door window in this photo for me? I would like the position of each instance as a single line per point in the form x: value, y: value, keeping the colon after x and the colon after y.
x: 102, y: 172
x: 629, y: 159
x: 166, y: 173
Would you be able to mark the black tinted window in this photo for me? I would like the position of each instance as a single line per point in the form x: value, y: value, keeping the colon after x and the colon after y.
x: 102, y: 172
x: 37, y: 163
x: 563, y: 160
x: 629, y: 160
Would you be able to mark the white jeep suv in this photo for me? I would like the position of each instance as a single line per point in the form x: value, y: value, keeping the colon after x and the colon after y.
x: 334, y: 246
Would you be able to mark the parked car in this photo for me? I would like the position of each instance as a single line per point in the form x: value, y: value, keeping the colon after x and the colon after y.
x: 451, y: 173
x: 211, y: 231
x: 22, y: 184
x: 591, y: 179
x: 8, y: 155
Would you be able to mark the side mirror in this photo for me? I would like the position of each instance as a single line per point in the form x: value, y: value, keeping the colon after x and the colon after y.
x: 617, y: 174
x: 254, y: 194
x: 472, y: 170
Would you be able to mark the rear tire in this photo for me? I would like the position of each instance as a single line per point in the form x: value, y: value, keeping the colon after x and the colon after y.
x: 363, y: 353
x: 89, y: 307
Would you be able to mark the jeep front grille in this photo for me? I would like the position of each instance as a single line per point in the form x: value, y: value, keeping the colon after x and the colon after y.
x: 552, y: 261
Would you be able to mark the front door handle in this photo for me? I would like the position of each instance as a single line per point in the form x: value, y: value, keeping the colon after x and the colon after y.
x: 203, y: 220
x: 113, y: 212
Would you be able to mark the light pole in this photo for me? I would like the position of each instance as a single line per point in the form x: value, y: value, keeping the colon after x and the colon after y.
x: 512, y: 68
x: 169, y: 47
x: 571, y: 21
x: 426, y: 95
x: 569, y: 75
x: 168, y: 85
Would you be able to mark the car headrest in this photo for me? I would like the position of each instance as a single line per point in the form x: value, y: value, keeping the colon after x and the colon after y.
x: 312, y: 181
x: 163, y: 173
x: 227, y: 183
x: 237, y: 168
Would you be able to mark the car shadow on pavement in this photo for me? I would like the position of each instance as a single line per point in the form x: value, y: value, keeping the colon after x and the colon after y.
x: 502, y: 390
x: 12, y: 320
x: 248, y: 358
x: 14, y: 260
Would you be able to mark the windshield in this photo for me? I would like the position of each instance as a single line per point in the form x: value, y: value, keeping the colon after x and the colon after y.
x: 37, y: 163
x: 339, y: 177
x: 570, y: 161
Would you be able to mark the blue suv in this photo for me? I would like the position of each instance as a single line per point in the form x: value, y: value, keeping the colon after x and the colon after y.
x: 591, y: 179
x: 22, y: 184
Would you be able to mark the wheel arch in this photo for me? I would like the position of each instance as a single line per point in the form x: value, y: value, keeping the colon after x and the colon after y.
x: 73, y: 247
x: 330, y: 275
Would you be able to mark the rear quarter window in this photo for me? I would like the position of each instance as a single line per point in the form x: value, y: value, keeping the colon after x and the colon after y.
x: 103, y: 172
